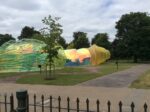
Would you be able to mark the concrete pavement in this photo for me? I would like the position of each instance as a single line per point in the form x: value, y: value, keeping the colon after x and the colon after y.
x: 118, y: 79
x: 126, y: 95
x: 114, y: 89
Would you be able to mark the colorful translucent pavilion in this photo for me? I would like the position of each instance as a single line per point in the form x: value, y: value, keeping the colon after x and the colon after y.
x: 27, y: 54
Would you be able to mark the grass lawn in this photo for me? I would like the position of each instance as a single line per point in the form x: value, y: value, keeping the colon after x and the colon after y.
x: 12, y: 74
x: 59, y: 80
x: 74, y: 75
x: 143, y: 82
x: 4, y: 75
x: 110, y: 67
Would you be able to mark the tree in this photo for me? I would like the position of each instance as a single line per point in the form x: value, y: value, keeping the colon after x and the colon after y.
x: 51, y: 36
x: 62, y: 42
x: 133, y: 32
x: 28, y: 32
x: 70, y: 45
x: 101, y: 39
x: 80, y: 40
x: 118, y: 50
x: 5, y: 38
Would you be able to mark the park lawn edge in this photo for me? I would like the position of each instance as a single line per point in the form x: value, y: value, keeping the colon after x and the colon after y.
x: 143, y: 81
x: 77, y: 78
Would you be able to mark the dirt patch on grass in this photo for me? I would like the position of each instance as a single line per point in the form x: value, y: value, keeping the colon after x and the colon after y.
x: 92, y: 69
x: 14, y: 77
x: 11, y: 79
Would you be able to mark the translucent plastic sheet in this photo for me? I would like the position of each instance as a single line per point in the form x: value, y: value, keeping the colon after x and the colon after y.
x: 24, y: 55
x: 27, y: 54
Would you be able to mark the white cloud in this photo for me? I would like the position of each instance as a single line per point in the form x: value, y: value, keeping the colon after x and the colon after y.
x: 91, y: 16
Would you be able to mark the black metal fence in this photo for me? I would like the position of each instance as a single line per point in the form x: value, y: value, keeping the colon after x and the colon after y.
x: 9, y: 104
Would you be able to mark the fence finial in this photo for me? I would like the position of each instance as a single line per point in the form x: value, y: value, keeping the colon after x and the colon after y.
x: 120, y: 106
x: 132, y: 107
x: 145, y: 107
x: 109, y: 104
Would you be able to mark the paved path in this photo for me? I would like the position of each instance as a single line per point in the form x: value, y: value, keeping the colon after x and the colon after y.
x: 119, y: 79
x: 126, y: 95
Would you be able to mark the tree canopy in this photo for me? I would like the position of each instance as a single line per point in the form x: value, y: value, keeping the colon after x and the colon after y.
x: 27, y: 32
x: 133, y: 35
x: 62, y: 42
x: 5, y: 38
x: 101, y: 39
x: 80, y: 40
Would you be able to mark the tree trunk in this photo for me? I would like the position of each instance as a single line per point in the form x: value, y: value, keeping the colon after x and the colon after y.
x: 50, y: 71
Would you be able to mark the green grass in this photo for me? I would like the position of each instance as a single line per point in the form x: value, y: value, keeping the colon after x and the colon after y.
x: 74, y: 75
x: 143, y: 82
x: 4, y: 75
x: 12, y: 74
x: 110, y: 67
x: 59, y: 80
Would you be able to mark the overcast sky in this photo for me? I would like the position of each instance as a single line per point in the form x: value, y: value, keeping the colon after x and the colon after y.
x: 90, y: 16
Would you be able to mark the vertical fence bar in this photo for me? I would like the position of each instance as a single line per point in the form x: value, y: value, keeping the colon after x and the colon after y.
x: 145, y: 107
x: 34, y: 102
x: 108, y: 104
x: 27, y: 102
x: 59, y: 105
x: 97, y: 103
x: 68, y: 104
x: 5, y: 96
x: 132, y: 107
x: 11, y: 103
x: 42, y: 97
x: 77, y: 104
x: 51, y: 104
x: 120, y: 106
x: 0, y: 102
x: 87, y: 104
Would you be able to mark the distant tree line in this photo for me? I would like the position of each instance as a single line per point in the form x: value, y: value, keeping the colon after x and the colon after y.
x: 5, y: 38
x: 132, y: 38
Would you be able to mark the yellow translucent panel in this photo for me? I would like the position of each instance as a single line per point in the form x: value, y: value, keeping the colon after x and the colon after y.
x: 71, y: 54
x: 83, y: 53
x: 98, y: 54
x: 80, y: 54
x: 19, y: 49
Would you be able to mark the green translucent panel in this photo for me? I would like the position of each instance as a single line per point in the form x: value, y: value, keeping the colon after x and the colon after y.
x: 24, y: 55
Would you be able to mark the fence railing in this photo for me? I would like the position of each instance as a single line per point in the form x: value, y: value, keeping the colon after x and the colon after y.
x: 23, y: 104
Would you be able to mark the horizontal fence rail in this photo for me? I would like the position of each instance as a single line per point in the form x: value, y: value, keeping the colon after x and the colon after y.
x: 8, y: 105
